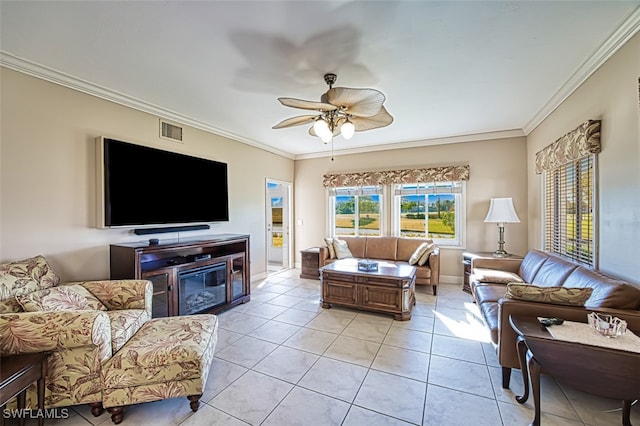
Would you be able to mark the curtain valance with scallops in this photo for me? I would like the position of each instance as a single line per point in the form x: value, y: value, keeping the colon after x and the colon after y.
x: 389, y: 177
x: 582, y: 141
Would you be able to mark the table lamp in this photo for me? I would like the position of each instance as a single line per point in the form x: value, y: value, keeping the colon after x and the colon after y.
x: 501, y: 211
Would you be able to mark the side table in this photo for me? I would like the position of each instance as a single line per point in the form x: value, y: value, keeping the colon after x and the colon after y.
x: 467, y: 261
x: 17, y: 372
x: 310, y: 263
x: 597, y: 370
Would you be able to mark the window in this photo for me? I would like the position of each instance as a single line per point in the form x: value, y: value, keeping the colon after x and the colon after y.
x: 433, y: 210
x: 356, y: 211
x: 568, y: 207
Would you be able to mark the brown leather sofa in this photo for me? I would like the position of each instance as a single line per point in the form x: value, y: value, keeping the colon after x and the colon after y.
x: 610, y: 295
x: 396, y: 249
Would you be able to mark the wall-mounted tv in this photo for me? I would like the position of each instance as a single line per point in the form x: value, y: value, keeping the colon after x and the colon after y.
x: 139, y: 185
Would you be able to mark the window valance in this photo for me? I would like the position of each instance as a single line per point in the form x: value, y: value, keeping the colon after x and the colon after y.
x: 576, y: 144
x: 388, y: 177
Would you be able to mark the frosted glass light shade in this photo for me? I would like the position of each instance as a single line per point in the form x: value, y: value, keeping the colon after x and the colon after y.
x: 321, y: 128
x: 501, y: 210
x: 347, y: 129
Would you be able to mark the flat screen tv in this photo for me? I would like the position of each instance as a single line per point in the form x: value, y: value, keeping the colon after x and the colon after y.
x: 139, y: 186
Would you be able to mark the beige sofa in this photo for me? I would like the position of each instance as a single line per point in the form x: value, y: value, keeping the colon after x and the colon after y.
x: 609, y: 295
x: 395, y: 249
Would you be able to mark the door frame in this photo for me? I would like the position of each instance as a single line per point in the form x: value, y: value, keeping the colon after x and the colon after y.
x: 287, y: 227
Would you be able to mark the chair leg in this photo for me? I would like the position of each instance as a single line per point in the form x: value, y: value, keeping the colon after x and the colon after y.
x: 194, y: 402
x: 117, y: 413
x: 435, y: 290
x: 96, y: 408
x: 506, y: 377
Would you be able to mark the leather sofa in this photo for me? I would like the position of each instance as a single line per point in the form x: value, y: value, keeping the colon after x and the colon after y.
x: 395, y: 249
x: 610, y: 295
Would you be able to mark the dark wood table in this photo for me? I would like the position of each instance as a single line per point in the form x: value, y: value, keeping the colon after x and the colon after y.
x: 389, y: 289
x: 600, y: 371
x: 17, y: 372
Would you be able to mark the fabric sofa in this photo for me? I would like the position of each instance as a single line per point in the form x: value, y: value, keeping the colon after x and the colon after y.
x: 394, y: 249
x: 489, y: 280
x: 80, y: 332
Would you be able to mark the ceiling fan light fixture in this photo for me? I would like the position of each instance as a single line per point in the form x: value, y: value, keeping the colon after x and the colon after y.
x: 347, y: 129
x: 321, y: 127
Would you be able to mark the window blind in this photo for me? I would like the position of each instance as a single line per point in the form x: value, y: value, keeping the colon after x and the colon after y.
x: 569, y: 215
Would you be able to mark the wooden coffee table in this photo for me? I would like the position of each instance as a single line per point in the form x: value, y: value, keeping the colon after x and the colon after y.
x: 600, y: 371
x: 17, y: 372
x: 390, y: 289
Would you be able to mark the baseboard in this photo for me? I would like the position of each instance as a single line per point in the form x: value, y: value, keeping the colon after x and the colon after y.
x: 450, y: 279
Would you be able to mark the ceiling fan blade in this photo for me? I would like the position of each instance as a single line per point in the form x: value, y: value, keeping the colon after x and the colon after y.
x: 356, y: 102
x: 302, y: 104
x: 295, y: 121
x: 382, y: 119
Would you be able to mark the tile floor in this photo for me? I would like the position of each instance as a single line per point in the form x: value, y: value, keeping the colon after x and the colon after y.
x: 281, y: 359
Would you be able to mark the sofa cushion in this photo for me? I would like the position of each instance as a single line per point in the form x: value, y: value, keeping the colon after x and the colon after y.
x: 341, y: 248
x: 74, y: 298
x: 23, y: 277
x: 406, y: 247
x: 490, y: 315
x: 489, y: 292
x: 357, y: 245
x: 529, y: 266
x: 332, y: 251
x: 551, y: 295
x: 495, y: 276
x: 381, y: 248
x: 553, y: 272
x: 607, y: 292
x: 419, y: 252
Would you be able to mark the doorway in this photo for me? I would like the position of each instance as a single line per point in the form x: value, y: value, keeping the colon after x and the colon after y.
x: 278, y: 219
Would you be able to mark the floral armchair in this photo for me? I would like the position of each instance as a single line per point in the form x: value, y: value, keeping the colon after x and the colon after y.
x: 81, y: 324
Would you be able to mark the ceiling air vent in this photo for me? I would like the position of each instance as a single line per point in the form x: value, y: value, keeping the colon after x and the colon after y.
x: 170, y: 131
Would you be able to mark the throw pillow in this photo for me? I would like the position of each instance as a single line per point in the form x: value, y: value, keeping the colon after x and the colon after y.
x: 417, y: 254
x: 341, y: 248
x: 332, y: 251
x: 54, y: 299
x: 425, y: 256
x: 552, y: 295
x: 92, y: 301
x: 495, y: 276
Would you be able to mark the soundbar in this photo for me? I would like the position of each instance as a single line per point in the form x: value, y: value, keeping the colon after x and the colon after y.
x: 146, y: 231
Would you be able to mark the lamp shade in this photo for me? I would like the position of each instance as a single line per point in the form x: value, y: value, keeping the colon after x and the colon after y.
x: 501, y: 210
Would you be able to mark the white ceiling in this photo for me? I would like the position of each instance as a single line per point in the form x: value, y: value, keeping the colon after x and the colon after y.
x: 449, y: 69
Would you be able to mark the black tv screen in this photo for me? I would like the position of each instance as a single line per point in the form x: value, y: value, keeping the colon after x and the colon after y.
x: 149, y: 186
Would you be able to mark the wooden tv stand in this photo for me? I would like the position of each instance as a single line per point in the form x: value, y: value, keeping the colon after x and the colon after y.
x: 161, y: 263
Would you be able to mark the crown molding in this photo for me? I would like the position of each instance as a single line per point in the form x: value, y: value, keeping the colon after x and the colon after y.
x: 629, y: 27
x: 476, y: 137
x: 51, y: 75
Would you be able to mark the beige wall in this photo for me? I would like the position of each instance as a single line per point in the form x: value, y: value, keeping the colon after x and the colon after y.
x: 47, y: 176
x: 498, y: 169
x: 610, y: 95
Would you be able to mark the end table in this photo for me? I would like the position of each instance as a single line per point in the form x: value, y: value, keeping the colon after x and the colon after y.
x: 17, y: 372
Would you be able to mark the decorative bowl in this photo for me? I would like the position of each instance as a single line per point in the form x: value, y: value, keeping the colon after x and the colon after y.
x: 607, y: 325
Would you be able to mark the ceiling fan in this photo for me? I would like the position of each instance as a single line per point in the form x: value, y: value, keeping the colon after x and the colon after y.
x: 341, y: 111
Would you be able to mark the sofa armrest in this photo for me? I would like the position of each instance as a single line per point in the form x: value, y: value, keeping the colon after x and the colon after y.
x: 434, y: 264
x: 323, y: 254
x: 122, y: 294
x: 28, y: 332
x: 499, y: 263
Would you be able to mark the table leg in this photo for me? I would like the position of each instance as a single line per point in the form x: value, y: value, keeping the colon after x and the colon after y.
x: 41, y: 389
x: 534, y: 372
x: 521, y: 345
x: 626, y: 413
x: 21, y: 399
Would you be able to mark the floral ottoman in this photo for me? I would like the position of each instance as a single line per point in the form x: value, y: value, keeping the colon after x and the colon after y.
x: 166, y: 358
